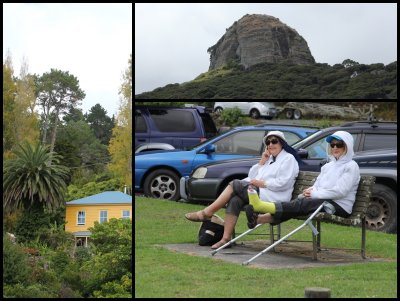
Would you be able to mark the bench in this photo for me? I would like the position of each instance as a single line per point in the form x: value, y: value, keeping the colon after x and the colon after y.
x: 306, y: 179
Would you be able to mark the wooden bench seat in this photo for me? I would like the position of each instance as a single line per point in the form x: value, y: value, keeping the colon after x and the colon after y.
x: 306, y: 179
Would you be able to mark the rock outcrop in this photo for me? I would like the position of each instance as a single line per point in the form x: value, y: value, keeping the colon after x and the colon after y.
x: 256, y: 39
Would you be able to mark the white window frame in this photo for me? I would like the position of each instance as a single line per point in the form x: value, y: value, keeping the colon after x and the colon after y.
x: 127, y: 217
x: 106, y: 211
x: 84, y: 218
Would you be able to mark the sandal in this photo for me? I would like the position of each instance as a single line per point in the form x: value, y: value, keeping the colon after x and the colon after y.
x: 220, y: 244
x: 251, y: 217
x: 199, y: 216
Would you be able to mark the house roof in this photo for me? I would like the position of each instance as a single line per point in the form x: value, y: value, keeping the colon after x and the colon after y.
x: 82, y: 233
x: 108, y: 197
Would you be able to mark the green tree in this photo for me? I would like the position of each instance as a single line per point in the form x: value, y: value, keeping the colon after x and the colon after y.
x: 80, y: 148
x: 100, y: 123
x: 20, y: 122
x: 34, y: 179
x: 9, y: 92
x: 349, y: 63
x: 110, y: 269
x: 120, y: 146
x: 74, y: 114
x: 57, y: 91
x: 15, y: 263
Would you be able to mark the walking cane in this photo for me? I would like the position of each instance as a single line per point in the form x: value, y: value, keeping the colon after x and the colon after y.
x: 328, y: 208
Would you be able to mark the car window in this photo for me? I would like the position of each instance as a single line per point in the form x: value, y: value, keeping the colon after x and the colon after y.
x: 209, y: 125
x: 317, y: 150
x: 268, y: 104
x: 140, y: 124
x: 304, y: 141
x: 173, y: 120
x: 291, y: 137
x: 375, y: 141
x: 245, y: 143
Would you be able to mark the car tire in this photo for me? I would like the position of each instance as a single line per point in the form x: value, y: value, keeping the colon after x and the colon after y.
x: 218, y: 111
x: 297, y: 114
x: 289, y: 113
x: 255, y: 114
x: 382, y: 211
x: 162, y: 184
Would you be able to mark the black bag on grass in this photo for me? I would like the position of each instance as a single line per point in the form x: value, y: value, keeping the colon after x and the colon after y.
x: 211, y: 231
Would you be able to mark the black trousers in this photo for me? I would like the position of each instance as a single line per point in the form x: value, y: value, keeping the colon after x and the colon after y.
x: 239, y: 198
x: 300, y: 207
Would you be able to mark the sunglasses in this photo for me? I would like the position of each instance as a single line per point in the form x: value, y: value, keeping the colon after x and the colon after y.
x: 338, y: 145
x: 273, y: 141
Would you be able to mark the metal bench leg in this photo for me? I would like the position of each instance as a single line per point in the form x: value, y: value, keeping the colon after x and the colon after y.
x: 319, y: 235
x: 314, y: 242
x: 279, y: 231
x: 271, y: 233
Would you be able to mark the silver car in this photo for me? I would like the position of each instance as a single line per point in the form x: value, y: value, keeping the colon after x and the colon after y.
x: 252, y: 109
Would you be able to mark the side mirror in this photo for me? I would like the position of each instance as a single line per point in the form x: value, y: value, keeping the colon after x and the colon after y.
x: 303, y: 153
x: 210, y: 148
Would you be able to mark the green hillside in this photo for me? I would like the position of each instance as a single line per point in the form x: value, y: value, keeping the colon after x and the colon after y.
x: 348, y: 80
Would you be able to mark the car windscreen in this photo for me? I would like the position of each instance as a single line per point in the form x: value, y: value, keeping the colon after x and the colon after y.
x: 300, y: 143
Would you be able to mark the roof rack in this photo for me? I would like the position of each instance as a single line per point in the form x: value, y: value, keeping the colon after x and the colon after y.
x: 286, y: 124
x: 367, y: 122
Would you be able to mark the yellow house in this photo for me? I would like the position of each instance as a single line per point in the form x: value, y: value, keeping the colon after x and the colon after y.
x: 82, y: 213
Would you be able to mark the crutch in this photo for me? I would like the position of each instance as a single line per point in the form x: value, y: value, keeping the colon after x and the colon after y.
x: 328, y: 209
x: 235, y: 239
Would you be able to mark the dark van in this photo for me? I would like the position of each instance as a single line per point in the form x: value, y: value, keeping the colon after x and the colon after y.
x: 162, y: 127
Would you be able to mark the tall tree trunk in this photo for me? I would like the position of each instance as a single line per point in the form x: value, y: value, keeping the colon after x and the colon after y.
x: 54, y: 132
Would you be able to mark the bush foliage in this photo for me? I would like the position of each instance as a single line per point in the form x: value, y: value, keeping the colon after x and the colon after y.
x: 287, y: 81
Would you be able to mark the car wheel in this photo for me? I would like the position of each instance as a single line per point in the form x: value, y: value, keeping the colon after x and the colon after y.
x: 218, y: 111
x: 382, y: 211
x: 254, y: 114
x: 297, y: 114
x: 289, y: 114
x: 162, y: 184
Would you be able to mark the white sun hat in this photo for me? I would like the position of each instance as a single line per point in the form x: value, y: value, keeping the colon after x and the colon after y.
x: 276, y: 134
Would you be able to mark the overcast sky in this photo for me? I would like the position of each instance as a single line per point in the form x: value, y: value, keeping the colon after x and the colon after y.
x: 91, y: 41
x: 171, y: 40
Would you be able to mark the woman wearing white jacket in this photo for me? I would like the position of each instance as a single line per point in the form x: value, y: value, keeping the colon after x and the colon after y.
x: 274, y: 177
x: 337, y: 183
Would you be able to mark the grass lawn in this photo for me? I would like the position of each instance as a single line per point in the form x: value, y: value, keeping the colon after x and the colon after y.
x: 162, y: 273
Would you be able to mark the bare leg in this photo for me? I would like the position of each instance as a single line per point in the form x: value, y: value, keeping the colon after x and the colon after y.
x: 207, y: 212
x: 220, y: 202
x: 229, y: 225
x: 264, y: 218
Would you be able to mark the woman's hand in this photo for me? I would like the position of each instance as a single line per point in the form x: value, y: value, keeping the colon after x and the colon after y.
x: 257, y: 183
x: 307, y: 192
x: 264, y: 157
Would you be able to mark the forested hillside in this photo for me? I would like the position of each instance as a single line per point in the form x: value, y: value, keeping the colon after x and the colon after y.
x: 349, y: 80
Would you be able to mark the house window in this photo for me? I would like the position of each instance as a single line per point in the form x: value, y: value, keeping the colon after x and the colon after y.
x: 125, y: 214
x: 103, y: 216
x: 81, y: 218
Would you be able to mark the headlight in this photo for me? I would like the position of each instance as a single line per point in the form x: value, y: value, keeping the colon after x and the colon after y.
x: 200, y: 173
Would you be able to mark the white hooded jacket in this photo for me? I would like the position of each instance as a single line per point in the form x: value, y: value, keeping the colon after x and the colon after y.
x: 279, y: 177
x: 339, y: 179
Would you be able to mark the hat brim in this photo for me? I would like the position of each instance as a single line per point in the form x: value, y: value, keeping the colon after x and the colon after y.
x: 331, y: 137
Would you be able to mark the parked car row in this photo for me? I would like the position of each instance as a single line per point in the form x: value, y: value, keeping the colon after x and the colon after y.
x: 157, y: 173
x: 178, y: 154
x: 207, y: 181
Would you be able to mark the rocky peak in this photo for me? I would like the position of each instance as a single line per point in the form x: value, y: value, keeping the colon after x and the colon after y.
x: 256, y: 39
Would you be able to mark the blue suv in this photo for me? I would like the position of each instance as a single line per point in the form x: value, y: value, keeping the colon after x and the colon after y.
x: 158, y: 173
